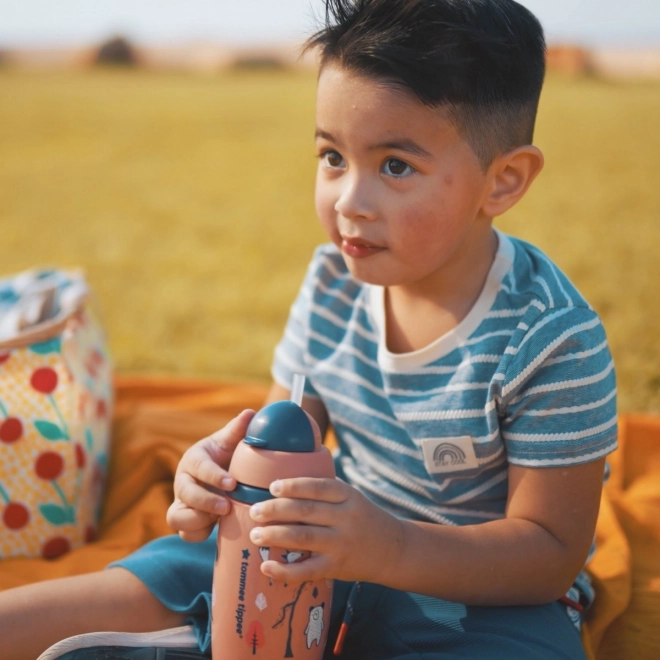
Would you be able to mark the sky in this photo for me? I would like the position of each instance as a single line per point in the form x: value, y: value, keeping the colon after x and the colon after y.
x: 81, y: 22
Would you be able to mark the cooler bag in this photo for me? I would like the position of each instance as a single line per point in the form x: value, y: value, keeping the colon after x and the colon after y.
x: 55, y: 412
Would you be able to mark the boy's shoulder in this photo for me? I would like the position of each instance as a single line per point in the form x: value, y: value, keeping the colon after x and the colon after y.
x: 556, y: 358
x: 550, y: 321
x: 536, y: 282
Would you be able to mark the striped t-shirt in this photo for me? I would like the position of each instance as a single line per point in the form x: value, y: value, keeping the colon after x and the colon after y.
x: 526, y: 378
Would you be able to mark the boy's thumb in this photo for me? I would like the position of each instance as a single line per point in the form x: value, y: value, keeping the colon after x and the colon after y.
x: 230, y: 435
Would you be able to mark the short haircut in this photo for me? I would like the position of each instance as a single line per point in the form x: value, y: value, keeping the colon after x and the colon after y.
x: 483, y: 60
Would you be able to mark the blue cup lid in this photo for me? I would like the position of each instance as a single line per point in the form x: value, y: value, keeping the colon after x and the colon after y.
x: 281, y: 426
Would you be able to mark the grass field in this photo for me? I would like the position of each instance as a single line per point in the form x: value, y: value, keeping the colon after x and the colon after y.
x: 189, y: 202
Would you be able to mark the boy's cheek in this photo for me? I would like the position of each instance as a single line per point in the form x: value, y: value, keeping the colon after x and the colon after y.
x: 330, y: 226
x: 324, y: 202
x: 322, y: 197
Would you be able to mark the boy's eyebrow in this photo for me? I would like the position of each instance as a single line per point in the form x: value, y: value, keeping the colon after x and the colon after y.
x: 320, y: 133
x: 403, y: 144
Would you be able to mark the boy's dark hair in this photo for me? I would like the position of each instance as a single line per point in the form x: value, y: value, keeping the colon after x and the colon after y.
x: 484, y: 60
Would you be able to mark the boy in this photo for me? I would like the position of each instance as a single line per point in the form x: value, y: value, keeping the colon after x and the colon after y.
x: 469, y: 384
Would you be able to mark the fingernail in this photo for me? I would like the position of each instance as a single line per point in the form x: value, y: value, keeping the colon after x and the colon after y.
x: 255, y: 535
x: 227, y: 482
x: 256, y: 510
x: 276, y: 487
x: 222, y: 507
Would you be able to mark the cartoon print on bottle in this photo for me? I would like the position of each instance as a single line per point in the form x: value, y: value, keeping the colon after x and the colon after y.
x: 264, y: 553
x: 314, y: 628
x: 292, y: 556
x: 255, y: 636
x: 291, y: 607
x: 261, y: 601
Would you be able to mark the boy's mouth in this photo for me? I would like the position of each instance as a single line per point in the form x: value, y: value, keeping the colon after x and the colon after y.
x: 358, y: 248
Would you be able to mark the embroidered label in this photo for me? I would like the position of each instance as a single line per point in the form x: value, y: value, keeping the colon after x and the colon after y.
x: 449, y: 455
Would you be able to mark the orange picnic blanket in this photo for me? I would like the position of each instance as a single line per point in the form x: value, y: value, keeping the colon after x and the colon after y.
x: 156, y: 419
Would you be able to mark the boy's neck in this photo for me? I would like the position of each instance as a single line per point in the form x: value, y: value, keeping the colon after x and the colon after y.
x: 415, y: 316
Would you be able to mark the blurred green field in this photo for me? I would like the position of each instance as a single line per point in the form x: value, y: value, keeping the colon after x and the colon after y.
x: 189, y: 202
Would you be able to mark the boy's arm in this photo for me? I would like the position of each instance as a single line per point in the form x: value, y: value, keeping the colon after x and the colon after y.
x: 531, y: 556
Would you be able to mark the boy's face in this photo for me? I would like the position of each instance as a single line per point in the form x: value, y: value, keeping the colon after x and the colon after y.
x: 397, y: 190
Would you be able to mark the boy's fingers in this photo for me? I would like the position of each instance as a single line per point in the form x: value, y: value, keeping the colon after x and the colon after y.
x: 314, y: 568
x: 196, y: 537
x: 285, y: 510
x: 207, y: 460
x: 184, y: 519
x: 333, y: 491
x: 200, y: 467
x: 223, y: 442
x: 195, y: 496
x: 311, y: 538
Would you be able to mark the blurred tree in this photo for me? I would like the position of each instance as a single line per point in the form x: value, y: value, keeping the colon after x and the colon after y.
x: 258, y: 61
x: 116, y: 51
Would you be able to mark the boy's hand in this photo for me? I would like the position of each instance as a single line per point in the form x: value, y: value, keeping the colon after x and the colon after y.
x: 350, y: 538
x: 200, y: 476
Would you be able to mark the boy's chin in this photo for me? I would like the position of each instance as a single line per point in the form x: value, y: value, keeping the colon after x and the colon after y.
x: 368, y: 271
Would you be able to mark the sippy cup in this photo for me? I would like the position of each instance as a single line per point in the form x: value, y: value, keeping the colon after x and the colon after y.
x: 253, y: 615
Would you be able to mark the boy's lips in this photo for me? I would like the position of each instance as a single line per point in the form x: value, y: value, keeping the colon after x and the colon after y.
x: 359, y: 247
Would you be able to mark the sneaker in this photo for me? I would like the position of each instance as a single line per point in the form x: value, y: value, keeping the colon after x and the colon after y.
x: 168, y: 644
x: 127, y: 653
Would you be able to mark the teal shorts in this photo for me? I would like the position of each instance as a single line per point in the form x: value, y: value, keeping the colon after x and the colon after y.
x: 387, y: 624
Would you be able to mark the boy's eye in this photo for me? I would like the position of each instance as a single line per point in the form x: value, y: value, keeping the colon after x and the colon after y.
x: 397, y: 168
x: 332, y: 159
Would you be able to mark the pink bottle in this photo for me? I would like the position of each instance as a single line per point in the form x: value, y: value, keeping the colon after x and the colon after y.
x: 253, y: 615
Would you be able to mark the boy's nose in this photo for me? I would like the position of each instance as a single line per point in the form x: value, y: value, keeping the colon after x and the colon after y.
x: 355, y: 201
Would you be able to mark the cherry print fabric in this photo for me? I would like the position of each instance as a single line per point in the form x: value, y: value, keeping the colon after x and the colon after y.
x: 55, y: 406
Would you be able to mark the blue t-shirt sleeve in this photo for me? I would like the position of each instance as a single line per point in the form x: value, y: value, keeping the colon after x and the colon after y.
x: 291, y: 355
x: 559, y: 391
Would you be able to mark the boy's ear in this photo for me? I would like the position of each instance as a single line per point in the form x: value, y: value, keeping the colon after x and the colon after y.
x: 511, y: 174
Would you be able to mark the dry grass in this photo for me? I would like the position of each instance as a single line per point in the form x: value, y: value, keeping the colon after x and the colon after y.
x: 189, y: 203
